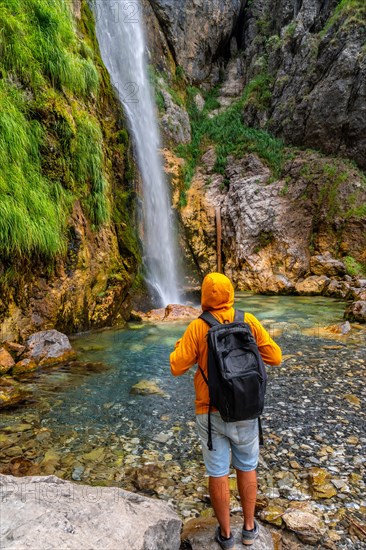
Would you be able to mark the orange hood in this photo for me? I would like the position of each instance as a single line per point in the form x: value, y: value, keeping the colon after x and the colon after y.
x: 217, y: 292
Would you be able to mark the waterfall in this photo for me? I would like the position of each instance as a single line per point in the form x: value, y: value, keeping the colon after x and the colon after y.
x: 121, y: 40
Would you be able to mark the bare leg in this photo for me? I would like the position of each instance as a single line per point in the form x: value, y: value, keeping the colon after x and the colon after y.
x: 247, y: 486
x: 220, y: 500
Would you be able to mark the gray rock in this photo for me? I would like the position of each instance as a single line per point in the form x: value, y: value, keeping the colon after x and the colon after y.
x: 48, y: 347
x: 318, y: 69
x: 198, y: 33
x: 175, y: 122
x: 47, y: 512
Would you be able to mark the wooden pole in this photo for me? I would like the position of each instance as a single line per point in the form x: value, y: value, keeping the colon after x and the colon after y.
x: 218, y: 238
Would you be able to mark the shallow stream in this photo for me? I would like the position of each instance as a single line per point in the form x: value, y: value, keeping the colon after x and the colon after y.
x: 85, y: 424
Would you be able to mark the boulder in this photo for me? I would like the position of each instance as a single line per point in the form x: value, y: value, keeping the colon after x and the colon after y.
x: 49, y: 347
x: 356, y: 311
x: 327, y: 265
x: 313, y: 285
x: 6, y: 361
x: 62, y: 514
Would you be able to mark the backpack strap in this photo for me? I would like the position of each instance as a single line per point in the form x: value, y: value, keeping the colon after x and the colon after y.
x: 209, y: 319
x: 239, y: 316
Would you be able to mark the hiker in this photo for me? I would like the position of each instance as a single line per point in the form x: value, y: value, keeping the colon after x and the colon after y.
x: 242, y: 437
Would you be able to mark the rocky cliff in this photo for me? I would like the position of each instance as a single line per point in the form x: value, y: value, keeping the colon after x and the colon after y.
x: 305, y: 62
x: 291, y: 219
x: 68, y: 252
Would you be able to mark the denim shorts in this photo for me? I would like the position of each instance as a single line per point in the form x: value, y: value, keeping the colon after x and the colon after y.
x: 239, y: 438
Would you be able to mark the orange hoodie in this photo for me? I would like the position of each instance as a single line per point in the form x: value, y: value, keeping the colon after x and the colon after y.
x: 218, y: 298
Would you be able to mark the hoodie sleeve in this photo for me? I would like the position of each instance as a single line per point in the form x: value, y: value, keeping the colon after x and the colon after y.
x: 185, y: 354
x: 270, y: 351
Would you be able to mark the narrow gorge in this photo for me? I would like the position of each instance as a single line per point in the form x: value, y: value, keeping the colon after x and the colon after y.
x: 143, y: 145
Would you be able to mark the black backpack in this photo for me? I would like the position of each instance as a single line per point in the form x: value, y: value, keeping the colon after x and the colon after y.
x: 236, y: 373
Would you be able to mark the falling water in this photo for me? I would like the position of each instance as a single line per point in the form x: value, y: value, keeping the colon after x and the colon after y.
x: 122, y: 45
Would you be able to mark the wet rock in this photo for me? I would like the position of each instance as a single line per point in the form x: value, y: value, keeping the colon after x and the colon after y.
x: 352, y: 399
x: 199, y: 533
x: 272, y: 514
x: 12, y: 395
x: 172, y: 312
x: 312, y: 286
x: 49, y: 347
x: 308, y: 527
x: 78, y: 516
x: 6, y: 361
x: 146, y: 387
x: 356, y: 311
x: 24, y: 366
x: 320, y: 484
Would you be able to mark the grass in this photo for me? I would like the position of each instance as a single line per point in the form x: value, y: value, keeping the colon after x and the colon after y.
x: 352, y: 12
x: 51, y: 141
x: 228, y: 133
x: 354, y: 268
x: 39, y: 45
x: 32, y: 209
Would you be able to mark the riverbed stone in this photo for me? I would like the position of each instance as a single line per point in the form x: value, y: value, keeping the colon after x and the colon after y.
x: 146, y: 387
x: 63, y: 514
x: 49, y: 347
x: 308, y: 527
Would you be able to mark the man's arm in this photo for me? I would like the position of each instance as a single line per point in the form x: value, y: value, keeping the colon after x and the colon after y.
x: 270, y: 351
x: 185, y: 354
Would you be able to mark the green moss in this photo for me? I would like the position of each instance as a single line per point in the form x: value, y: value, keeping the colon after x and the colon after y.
x: 354, y: 268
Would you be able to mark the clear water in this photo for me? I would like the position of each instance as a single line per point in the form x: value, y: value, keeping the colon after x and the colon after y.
x: 98, y: 400
x: 121, y: 39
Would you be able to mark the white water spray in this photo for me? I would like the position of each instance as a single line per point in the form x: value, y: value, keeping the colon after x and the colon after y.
x: 122, y: 45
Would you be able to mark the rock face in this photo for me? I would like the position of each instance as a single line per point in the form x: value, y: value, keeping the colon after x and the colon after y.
x: 269, y: 227
x: 306, y: 59
x: 317, y: 73
x: 199, y: 33
x: 61, y: 514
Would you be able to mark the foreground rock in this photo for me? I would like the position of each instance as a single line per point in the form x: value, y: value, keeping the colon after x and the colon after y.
x: 200, y: 534
x: 172, y: 312
x: 47, y: 512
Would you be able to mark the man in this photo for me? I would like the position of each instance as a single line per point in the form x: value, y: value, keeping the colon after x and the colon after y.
x: 241, y: 438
